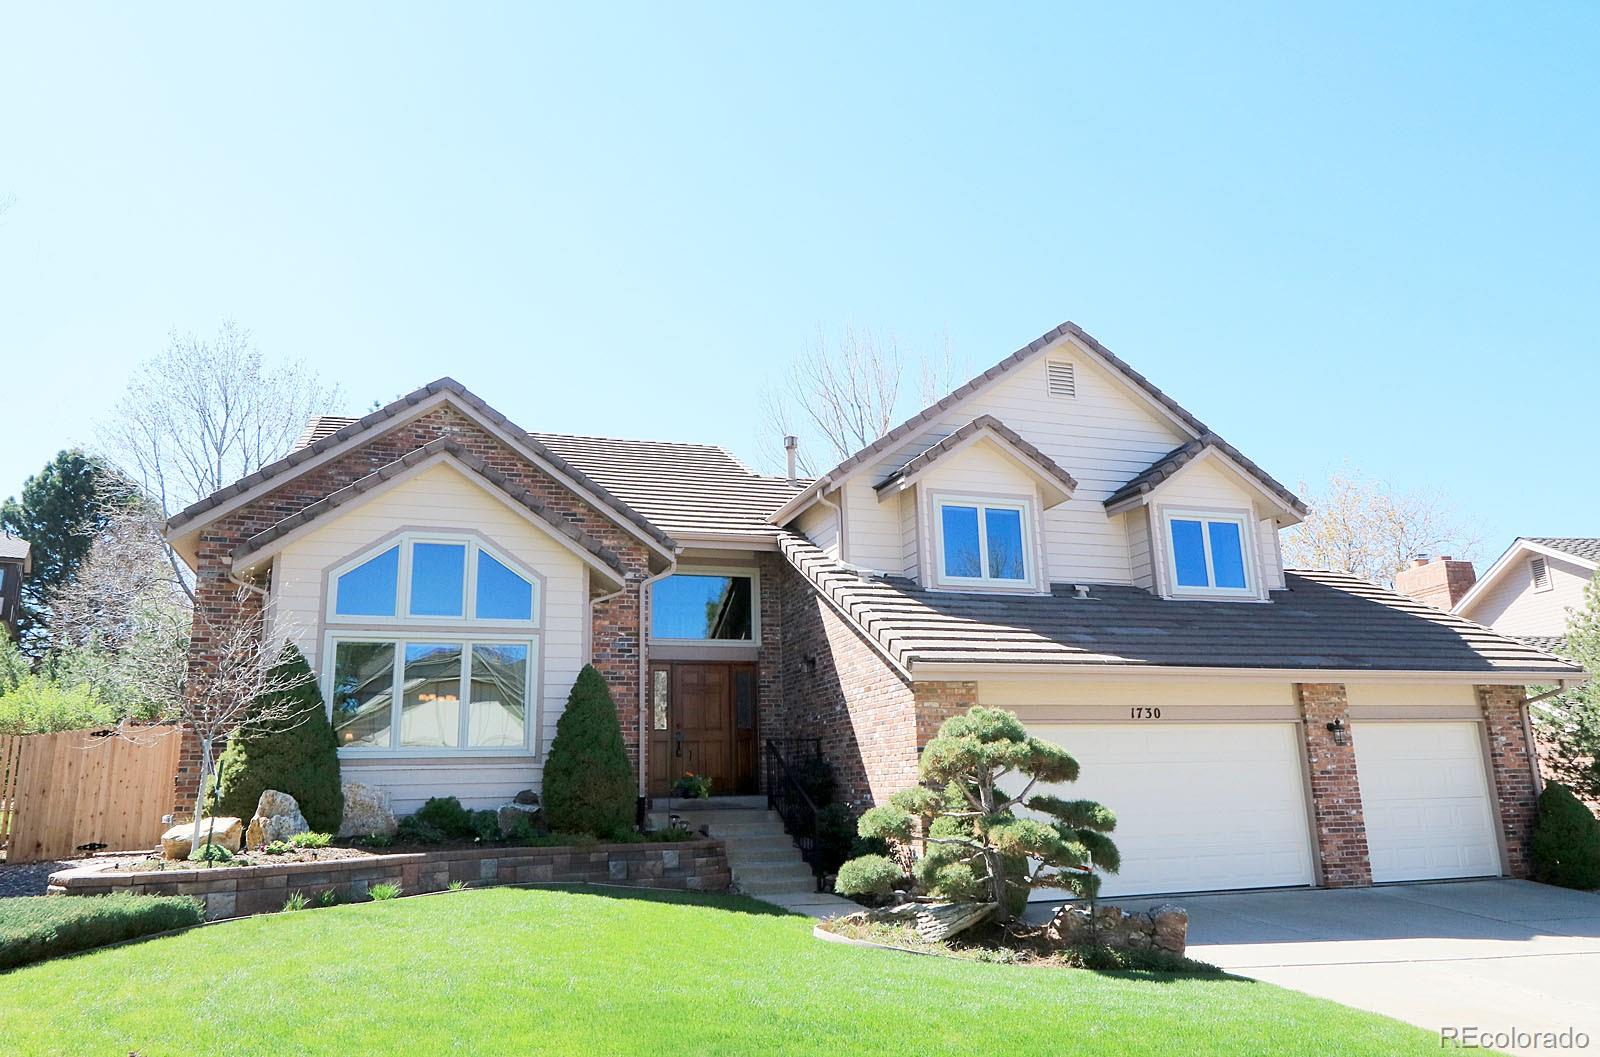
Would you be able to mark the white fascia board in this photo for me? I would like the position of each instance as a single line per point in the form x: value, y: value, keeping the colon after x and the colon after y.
x: 1503, y: 564
x: 947, y: 672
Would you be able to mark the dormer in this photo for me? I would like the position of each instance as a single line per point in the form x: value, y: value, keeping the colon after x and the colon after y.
x: 971, y: 505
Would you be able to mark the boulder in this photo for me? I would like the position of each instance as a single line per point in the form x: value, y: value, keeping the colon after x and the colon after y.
x: 277, y: 818
x: 1171, y: 928
x: 366, y: 812
x: 1165, y: 927
x: 176, y: 843
x: 510, y: 814
x: 527, y: 796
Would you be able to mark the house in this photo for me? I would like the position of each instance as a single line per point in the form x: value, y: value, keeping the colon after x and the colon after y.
x: 1058, y: 537
x: 15, y: 564
x: 1533, y: 588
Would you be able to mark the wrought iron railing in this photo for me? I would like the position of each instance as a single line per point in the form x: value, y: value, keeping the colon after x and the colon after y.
x: 788, y: 797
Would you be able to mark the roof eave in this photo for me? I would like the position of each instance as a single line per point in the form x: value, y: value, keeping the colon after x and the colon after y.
x: 1521, y: 545
x: 957, y: 670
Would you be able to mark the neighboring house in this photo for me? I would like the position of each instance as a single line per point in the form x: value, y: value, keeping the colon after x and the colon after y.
x: 1057, y: 537
x: 15, y: 563
x: 1533, y: 588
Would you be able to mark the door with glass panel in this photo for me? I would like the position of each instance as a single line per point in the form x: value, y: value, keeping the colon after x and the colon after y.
x: 702, y: 721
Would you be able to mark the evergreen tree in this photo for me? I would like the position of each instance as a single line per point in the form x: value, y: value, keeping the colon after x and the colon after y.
x: 294, y: 752
x: 976, y: 847
x: 59, y: 513
x: 589, y: 786
x: 1569, y: 725
x: 1566, y: 841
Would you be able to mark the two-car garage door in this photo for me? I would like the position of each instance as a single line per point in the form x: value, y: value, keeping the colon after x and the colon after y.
x: 1200, y: 806
x: 1212, y: 806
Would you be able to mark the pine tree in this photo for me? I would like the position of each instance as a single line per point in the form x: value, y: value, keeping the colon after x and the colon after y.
x: 60, y: 511
x: 589, y: 786
x: 297, y: 755
x: 976, y: 847
x: 1569, y: 724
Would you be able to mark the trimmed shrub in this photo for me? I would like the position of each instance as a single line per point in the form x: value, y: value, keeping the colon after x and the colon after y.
x: 589, y: 786
x: 1566, y: 841
x: 298, y: 756
x: 33, y: 928
x: 874, y: 875
x: 445, y: 814
x: 310, y: 839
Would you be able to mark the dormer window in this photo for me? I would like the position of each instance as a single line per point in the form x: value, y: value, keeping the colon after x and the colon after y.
x: 1208, y: 554
x: 983, y: 542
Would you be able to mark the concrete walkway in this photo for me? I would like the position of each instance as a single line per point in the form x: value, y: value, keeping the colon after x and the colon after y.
x: 812, y: 904
x: 1496, y: 955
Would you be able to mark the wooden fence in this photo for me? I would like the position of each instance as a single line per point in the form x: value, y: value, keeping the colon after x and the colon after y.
x: 62, y: 792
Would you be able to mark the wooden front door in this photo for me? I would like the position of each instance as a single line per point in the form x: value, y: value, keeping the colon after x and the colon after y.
x: 702, y: 720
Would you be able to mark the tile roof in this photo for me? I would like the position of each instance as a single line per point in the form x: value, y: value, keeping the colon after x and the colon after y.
x: 444, y: 445
x: 1556, y: 644
x: 1585, y: 547
x: 335, y: 430
x: 1328, y: 621
x: 1068, y: 329
x: 13, y: 548
x: 1146, y: 480
x: 928, y: 456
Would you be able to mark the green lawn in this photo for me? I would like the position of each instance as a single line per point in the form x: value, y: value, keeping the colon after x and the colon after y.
x: 520, y: 972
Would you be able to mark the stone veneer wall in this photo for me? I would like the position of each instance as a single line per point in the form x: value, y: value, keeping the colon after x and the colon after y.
x: 1511, y: 763
x: 1335, y: 787
x: 236, y: 891
x: 616, y: 640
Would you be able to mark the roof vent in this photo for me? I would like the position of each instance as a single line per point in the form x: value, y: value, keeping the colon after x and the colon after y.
x: 1541, y: 573
x: 1061, y: 379
x: 1080, y: 591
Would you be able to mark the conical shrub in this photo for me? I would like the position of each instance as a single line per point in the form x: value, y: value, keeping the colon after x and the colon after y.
x: 589, y: 786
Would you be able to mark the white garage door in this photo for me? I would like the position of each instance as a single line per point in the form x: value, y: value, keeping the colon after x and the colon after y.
x: 1200, y: 806
x: 1425, y: 795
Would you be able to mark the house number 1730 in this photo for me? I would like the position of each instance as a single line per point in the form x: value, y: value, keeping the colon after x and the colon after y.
x: 1144, y: 712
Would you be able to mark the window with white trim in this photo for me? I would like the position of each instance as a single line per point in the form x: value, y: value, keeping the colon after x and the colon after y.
x: 983, y: 542
x: 1208, y: 554
x: 433, y: 648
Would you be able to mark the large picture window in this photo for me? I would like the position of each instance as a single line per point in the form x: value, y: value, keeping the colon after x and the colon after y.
x: 703, y: 607
x: 1208, y: 554
x: 431, y: 694
x: 983, y: 542
x: 426, y: 579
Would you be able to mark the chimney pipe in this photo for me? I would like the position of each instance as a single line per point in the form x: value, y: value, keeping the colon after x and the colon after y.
x: 791, y: 445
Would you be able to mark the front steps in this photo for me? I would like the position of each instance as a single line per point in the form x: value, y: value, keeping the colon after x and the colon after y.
x: 763, y: 858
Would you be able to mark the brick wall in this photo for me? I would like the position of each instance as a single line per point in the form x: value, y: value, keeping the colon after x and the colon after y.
x: 835, y: 687
x: 1335, y: 787
x: 770, y: 721
x: 616, y: 638
x: 1511, y: 765
x: 937, y: 702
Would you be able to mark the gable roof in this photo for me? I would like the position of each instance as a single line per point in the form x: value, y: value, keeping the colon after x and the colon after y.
x: 338, y: 438
x: 1042, y: 464
x: 1323, y: 623
x: 1579, y: 550
x: 593, y: 550
x: 1147, y: 480
x: 1113, y: 363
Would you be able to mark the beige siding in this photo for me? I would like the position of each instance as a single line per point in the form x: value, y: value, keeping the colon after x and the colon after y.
x: 874, y: 533
x: 1086, y: 700
x: 1412, y: 701
x: 442, y: 498
x: 820, y: 524
x: 1512, y: 607
x: 1140, y: 559
x: 911, y: 533
x: 1271, y: 554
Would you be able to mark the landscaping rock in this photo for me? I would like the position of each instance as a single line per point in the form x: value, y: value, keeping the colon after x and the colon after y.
x: 277, y: 817
x: 1165, y: 927
x: 510, y: 814
x: 527, y: 796
x: 366, y: 812
x: 176, y: 843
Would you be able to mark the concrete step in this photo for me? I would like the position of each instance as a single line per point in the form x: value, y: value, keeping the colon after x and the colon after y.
x: 795, y: 873
x: 740, y: 830
x: 785, y: 887
x: 745, y: 860
x: 716, y: 803
x: 731, y: 817
x: 761, y: 845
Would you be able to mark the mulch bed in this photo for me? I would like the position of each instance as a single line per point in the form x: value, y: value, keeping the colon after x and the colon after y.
x: 255, y: 858
x: 988, y: 943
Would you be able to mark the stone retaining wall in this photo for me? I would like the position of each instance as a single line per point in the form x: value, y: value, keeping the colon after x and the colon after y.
x: 236, y: 891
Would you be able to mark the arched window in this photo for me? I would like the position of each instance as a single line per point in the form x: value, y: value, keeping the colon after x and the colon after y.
x: 433, y: 648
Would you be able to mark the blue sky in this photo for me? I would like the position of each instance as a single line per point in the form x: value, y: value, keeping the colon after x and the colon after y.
x: 1361, y: 233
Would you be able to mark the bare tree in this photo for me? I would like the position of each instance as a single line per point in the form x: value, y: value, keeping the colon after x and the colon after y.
x: 1370, y: 529
x: 840, y: 396
x: 205, y: 413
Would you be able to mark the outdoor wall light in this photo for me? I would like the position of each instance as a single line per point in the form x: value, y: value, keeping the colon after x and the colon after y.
x: 811, y: 662
x: 1337, y: 729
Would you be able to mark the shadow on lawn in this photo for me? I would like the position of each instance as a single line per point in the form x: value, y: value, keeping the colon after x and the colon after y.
x: 738, y: 904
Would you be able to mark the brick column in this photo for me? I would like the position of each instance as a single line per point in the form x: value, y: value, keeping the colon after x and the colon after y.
x: 1335, y: 787
x: 1512, y: 764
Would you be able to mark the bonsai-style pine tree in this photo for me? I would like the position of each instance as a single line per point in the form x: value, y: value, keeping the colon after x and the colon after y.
x: 287, y: 745
x: 976, y: 846
x: 589, y: 785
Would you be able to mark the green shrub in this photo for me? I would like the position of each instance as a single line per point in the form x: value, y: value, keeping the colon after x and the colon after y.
x: 836, y: 836
x: 672, y: 834
x: 37, y: 704
x: 589, y: 786
x: 456, y: 886
x: 869, y: 875
x: 277, y: 847
x: 296, y: 901
x: 385, y: 890
x: 412, y: 831
x: 328, y: 897
x: 298, y: 756
x: 816, y: 776
x: 33, y: 928
x: 210, y: 853
x: 310, y: 839
x: 485, y: 825
x: 1152, y: 959
x: 445, y: 814
x: 1566, y: 841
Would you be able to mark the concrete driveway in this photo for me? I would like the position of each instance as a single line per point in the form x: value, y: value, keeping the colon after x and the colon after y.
x: 1496, y: 955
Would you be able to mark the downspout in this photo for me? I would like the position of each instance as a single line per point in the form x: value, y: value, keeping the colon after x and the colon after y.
x: 838, y: 514
x: 1527, y: 728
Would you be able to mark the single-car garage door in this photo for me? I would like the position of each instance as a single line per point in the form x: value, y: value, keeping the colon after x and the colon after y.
x: 1425, y: 795
x: 1200, y: 806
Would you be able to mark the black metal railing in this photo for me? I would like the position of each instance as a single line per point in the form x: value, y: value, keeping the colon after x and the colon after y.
x: 788, y: 797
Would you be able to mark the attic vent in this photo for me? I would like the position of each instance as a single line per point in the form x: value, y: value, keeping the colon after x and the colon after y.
x: 1541, y: 574
x: 1060, y: 379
